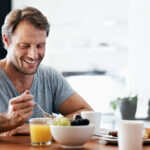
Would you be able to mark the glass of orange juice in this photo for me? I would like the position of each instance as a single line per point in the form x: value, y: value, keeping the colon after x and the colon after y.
x: 40, y: 133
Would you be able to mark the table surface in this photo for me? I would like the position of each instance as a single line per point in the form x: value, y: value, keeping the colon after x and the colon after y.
x: 23, y: 143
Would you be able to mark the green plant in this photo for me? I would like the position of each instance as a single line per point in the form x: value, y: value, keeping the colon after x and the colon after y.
x: 131, y: 99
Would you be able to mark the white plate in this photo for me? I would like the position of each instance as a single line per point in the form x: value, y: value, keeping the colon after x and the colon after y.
x: 115, y: 141
x: 104, y: 132
x: 108, y: 140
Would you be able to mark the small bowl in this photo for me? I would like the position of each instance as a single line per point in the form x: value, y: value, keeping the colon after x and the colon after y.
x: 72, y: 136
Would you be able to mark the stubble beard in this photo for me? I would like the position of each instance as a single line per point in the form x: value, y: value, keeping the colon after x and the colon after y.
x: 20, y: 68
x: 23, y: 71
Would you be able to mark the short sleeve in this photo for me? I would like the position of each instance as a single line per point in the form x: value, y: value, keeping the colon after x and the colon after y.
x: 61, y: 89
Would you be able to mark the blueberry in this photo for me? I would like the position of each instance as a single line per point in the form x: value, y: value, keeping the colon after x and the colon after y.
x: 74, y: 123
x: 77, y: 116
x: 80, y: 122
x: 85, y: 121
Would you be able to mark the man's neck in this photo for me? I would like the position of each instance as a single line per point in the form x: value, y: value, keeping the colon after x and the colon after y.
x: 21, y: 81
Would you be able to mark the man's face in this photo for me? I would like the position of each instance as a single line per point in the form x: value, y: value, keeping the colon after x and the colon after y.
x: 27, y: 48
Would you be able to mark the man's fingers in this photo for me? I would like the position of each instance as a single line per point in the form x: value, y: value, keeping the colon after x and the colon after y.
x: 25, y: 110
x: 24, y: 129
x: 26, y: 92
x: 9, y: 133
x: 21, y: 98
x: 27, y: 115
x: 12, y: 132
x: 23, y: 105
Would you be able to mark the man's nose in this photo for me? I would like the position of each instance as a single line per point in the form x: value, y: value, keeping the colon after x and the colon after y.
x: 32, y: 53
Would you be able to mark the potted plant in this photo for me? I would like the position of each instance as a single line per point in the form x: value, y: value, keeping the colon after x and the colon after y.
x: 127, y: 106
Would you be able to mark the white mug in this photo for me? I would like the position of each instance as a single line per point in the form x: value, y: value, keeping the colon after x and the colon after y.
x: 94, y: 118
x: 130, y: 135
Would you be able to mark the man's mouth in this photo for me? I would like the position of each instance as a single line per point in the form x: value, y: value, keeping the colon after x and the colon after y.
x: 30, y: 62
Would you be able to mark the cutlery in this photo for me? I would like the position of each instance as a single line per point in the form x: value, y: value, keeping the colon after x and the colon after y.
x: 105, y: 136
x: 45, y: 114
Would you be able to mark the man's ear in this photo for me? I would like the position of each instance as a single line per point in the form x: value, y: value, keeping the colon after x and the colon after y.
x: 6, y: 40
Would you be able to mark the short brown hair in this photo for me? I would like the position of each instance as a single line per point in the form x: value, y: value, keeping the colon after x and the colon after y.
x: 29, y: 14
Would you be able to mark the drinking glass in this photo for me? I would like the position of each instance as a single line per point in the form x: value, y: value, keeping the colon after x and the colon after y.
x: 40, y: 133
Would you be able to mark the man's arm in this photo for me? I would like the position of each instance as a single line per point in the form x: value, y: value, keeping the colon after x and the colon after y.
x: 74, y: 105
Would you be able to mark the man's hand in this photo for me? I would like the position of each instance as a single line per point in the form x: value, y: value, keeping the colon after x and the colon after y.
x: 21, y: 130
x: 19, y: 109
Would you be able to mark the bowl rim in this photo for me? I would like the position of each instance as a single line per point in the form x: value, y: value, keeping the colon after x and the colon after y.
x: 80, y: 126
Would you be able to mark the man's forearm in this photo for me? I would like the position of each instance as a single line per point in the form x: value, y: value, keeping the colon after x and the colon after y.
x: 74, y: 105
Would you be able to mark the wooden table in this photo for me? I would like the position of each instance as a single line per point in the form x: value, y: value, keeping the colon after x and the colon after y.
x: 23, y: 143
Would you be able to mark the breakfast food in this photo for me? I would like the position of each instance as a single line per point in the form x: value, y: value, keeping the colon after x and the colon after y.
x: 77, y: 116
x: 146, y: 133
x: 113, y: 133
x: 77, y: 121
x: 62, y: 122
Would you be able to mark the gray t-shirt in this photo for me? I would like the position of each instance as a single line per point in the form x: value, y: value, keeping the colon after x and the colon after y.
x: 49, y: 89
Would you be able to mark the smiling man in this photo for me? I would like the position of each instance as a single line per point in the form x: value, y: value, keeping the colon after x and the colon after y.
x: 24, y: 34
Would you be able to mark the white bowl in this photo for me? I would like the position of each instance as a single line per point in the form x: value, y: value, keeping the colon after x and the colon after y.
x: 72, y: 136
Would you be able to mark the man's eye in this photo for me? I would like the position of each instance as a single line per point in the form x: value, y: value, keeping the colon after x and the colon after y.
x: 41, y: 46
x: 24, y: 46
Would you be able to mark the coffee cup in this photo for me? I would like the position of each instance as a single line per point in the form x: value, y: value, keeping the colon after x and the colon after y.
x: 130, y: 134
x: 94, y: 118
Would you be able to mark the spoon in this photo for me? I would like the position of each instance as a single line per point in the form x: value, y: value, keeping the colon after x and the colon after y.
x: 45, y: 114
x: 106, y: 136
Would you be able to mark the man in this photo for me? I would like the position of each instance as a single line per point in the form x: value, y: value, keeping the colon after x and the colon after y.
x: 24, y: 35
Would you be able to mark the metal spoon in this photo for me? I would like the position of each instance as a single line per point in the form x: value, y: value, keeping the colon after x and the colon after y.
x: 106, y: 136
x: 45, y: 114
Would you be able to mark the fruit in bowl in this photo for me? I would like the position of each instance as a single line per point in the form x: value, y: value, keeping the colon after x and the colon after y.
x: 73, y: 134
